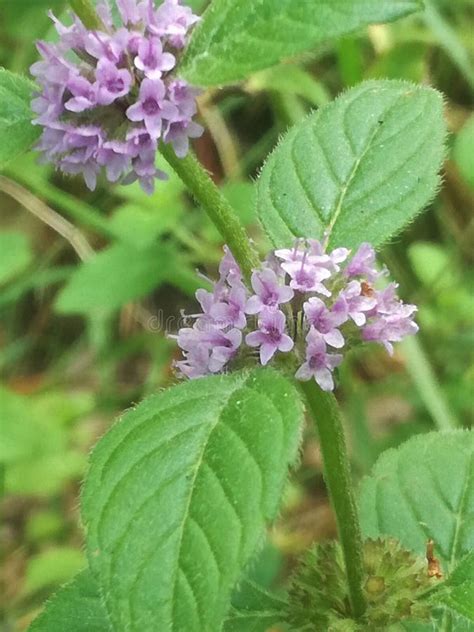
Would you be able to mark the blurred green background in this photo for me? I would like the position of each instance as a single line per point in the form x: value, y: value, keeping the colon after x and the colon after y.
x: 90, y: 283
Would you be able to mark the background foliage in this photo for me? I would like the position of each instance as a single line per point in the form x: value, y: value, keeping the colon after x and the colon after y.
x: 91, y: 283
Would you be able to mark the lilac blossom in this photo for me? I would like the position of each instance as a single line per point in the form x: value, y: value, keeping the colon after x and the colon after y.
x: 391, y: 320
x: 173, y: 21
x: 325, y: 321
x: 363, y: 263
x: 120, y: 80
x: 152, y: 107
x: 151, y: 59
x: 269, y: 292
x: 346, y: 312
x: 232, y: 310
x: 354, y: 303
x: 307, y: 276
x: 112, y: 82
x: 319, y: 364
x: 270, y: 336
x: 84, y: 94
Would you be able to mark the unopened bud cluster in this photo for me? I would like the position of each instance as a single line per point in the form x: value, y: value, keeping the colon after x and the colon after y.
x: 307, y: 301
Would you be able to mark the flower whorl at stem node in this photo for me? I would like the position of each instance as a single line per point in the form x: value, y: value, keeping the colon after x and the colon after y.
x: 306, y: 300
x: 394, y: 581
x: 109, y: 96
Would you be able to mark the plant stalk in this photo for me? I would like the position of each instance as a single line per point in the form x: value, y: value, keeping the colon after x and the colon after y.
x: 198, y: 181
x: 324, y: 410
x: 85, y: 10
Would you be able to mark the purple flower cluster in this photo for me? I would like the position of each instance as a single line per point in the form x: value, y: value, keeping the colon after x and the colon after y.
x: 108, y: 96
x: 304, y: 300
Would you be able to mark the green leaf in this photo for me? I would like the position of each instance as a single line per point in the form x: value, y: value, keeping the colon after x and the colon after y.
x: 34, y: 447
x: 424, y: 490
x: 52, y: 568
x: 360, y: 168
x: 460, y: 584
x: 15, y: 253
x: 260, y: 609
x: 139, y: 226
x: 431, y: 264
x: 178, y: 494
x: 77, y: 607
x: 114, y: 277
x: 293, y: 80
x: 20, y: 437
x: 237, y: 37
x: 254, y: 608
x: 462, y: 152
x: 16, y: 131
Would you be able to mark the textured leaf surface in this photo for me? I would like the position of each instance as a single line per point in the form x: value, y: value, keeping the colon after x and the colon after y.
x: 257, y: 612
x: 237, y: 37
x: 178, y: 494
x: 17, y: 133
x: 76, y: 607
x: 424, y: 490
x: 460, y: 584
x: 361, y: 168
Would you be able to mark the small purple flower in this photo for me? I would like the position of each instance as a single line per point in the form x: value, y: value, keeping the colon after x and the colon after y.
x: 221, y: 346
x: 270, y: 336
x: 306, y: 276
x: 231, y: 311
x: 196, y: 362
x: 291, y: 254
x: 152, y: 107
x: 224, y: 346
x: 391, y: 327
x: 113, y: 155
x: 151, y: 59
x: 112, y: 82
x: 129, y: 11
x: 173, y: 21
x: 229, y: 269
x: 269, y: 292
x: 325, y: 321
x: 84, y: 95
x: 319, y: 364
x: 390, y: 319
x: 72, y: 36
x: 362, y: 263
x: 179, y: 133
x: 352, y: 302
x: 55, y: 69
x: 331, y: 261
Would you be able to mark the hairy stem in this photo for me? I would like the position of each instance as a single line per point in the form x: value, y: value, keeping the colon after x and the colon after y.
x: 196, y: 178
x: 85, y: 10
x: 325, y: 413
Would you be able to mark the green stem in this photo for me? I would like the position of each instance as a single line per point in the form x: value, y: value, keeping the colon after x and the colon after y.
x: 196, y: 178
x: 325, y: 413
x: 85, y: 10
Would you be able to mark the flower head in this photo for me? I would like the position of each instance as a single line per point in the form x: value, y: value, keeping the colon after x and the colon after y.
x: 289, y: 309
x: 119, y: 81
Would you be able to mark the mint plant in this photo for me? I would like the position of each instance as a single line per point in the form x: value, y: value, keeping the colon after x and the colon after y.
x: 180, y: 491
